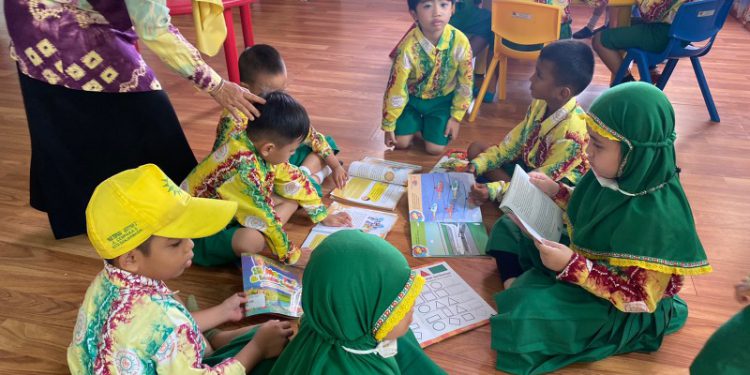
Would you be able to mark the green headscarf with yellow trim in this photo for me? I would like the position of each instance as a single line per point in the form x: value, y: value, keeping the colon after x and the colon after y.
x: 357, y: 288
x: 654, y: 229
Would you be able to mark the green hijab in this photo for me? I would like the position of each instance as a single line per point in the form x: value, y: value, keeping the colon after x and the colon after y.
x: 653, y: 229
x: 355, y: 285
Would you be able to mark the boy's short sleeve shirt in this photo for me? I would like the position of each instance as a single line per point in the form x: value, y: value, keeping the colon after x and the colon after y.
x: 130, y: 324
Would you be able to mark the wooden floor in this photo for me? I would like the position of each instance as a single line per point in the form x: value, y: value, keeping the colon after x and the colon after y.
x: 336, y: 54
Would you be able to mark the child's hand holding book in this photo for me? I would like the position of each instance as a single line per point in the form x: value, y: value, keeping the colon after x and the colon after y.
x: 479, y: 194
x: 544, y: 183
x: 339, y: 219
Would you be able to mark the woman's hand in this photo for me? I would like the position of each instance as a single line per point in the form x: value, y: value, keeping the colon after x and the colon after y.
x: 237, y: 99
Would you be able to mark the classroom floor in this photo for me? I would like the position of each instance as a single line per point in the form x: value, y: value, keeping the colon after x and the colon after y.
x: 337, y: 57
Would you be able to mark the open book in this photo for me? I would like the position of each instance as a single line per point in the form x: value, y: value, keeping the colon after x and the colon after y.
x: 453, y: 160
x: 446, y: 306
x: 374, y: 222
x: 443, y: 222
x: 539, y: 215
x: 376, y: 182
x: 271, y: 287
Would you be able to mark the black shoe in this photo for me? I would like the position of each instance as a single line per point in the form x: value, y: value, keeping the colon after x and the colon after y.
x: 584, y: 33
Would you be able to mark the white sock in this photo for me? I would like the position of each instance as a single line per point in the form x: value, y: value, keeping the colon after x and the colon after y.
x: 305, y: 169
x: 323, y: 173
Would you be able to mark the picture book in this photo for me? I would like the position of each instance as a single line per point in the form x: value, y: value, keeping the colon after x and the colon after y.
x: 447, y: 306
x: 374, y: 222
x: 536, y: 212
x: 376, y: 182
x: 271, y: 287
x: 442, y: 219
x: 453, y: 160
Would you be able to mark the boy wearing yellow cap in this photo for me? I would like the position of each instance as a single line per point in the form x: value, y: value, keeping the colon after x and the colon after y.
x: 141, y: 223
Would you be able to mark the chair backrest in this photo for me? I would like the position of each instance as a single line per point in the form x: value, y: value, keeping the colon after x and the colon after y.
x: 699, y: 20
x: 522, y: 28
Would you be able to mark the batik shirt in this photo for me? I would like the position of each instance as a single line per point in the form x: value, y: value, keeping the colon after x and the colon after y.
x: 90, y: 46
x: 562, y: 4
x: 130, y: 324
x: 426, y: 71
x: 555, y: 146
x: 655, y: 10
x: 235, y: 171
x: 229, y: 127
x: 629, y: 289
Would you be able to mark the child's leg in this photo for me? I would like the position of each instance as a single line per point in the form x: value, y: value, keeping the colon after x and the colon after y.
x: 436, y: 114
x: 598, y: 11
x: 222, y: 247
x: 409, y: 123
x: 284, y: 208
x: 248, y: 240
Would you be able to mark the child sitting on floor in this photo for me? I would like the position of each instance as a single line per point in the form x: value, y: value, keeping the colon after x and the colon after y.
x: 359, y: 295
x: 429, y: 89
x: 252, y: 169
x: 141, y: 223
x: 262, y: 70
x: 552, y: 138
x: 631, y: 240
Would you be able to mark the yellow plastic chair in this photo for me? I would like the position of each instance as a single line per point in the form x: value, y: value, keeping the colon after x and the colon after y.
x: 521, y: 29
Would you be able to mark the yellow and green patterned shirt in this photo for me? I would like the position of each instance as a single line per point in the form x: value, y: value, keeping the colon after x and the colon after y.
x: 555, y: 146
x: 234, y: 171
x: 130, y: 324
x: 426, y: 71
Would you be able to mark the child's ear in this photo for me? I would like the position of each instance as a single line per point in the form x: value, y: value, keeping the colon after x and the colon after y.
x: 267, y: 148
x: 565, y: 93
x: 130, y: 261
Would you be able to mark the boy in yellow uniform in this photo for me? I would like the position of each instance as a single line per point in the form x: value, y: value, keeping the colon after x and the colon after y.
x: 552, y: 138
x: 262, y: 70
x: 429, y: 90
x: 130, y: 322
x: 252, y: 169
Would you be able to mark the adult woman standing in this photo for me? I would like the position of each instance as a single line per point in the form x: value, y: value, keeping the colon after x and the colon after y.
x: 94, y: 107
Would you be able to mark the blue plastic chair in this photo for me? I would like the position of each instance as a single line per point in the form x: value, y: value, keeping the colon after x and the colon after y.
x: 694, y: 22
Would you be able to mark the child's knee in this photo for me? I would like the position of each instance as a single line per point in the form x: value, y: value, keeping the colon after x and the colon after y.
x: 247, y: 240
x: 404, y: 141
x: 476, y: 148
x: 433, y: 149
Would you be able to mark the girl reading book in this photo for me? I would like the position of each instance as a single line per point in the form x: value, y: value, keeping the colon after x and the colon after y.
x: 631, y: 240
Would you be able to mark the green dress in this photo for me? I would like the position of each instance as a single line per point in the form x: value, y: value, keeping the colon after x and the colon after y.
x: 727, y: 351
x: 544, y: 324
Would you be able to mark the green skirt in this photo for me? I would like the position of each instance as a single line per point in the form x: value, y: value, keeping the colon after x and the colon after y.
x: 727, y: 352
x: 411, y: 358
x: 544, y: 324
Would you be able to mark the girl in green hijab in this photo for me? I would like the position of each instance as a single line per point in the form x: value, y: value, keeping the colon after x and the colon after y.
x: 358, y: 297
x: 632, y: 240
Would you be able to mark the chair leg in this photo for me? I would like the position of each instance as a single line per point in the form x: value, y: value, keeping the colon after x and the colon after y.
x: 643, y: 68
x: 704, y: 89
x: 622, y: 70
x: 247, y: 25
x: 483, y: 90
x: 230, y: 48
x: 666, y: 73
x: 503, y: 79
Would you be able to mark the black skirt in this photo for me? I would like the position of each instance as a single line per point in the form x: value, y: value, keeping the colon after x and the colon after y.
x: 80, y: 138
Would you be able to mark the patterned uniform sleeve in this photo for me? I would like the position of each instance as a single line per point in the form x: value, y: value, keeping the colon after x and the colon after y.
x: 152, y: 24
x: 497, y: 189
x: 565, y: 155
x: 396, y: 93
x: 563, y: 196
x: 292, y: 184
x: 255, y: 210
x: 181, y: 354
x: 497, y: 155
x: 465, y: 75
x: 629, y: 289
x: 227, y: 125
x: 317, y: 142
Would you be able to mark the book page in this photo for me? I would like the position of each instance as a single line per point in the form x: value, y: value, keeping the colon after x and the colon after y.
x: 447, y: 306
x: 382, y: 170
x: 369, y: 221
x: 539, y: 214
x: 370, y: 193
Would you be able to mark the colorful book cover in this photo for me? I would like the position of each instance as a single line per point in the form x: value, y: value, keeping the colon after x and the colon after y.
x: 453, y: 160
x: 442, y: 220
x: 271, y: 287
x: 447, y: 306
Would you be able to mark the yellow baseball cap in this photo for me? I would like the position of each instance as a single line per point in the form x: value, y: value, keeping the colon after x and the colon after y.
x: 131, y: 206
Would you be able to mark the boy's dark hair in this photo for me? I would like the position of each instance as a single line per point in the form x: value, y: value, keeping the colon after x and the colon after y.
x: 283, y: 119
x: 413, y: 3
x: 259, y: 59
x: 573, y: 63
